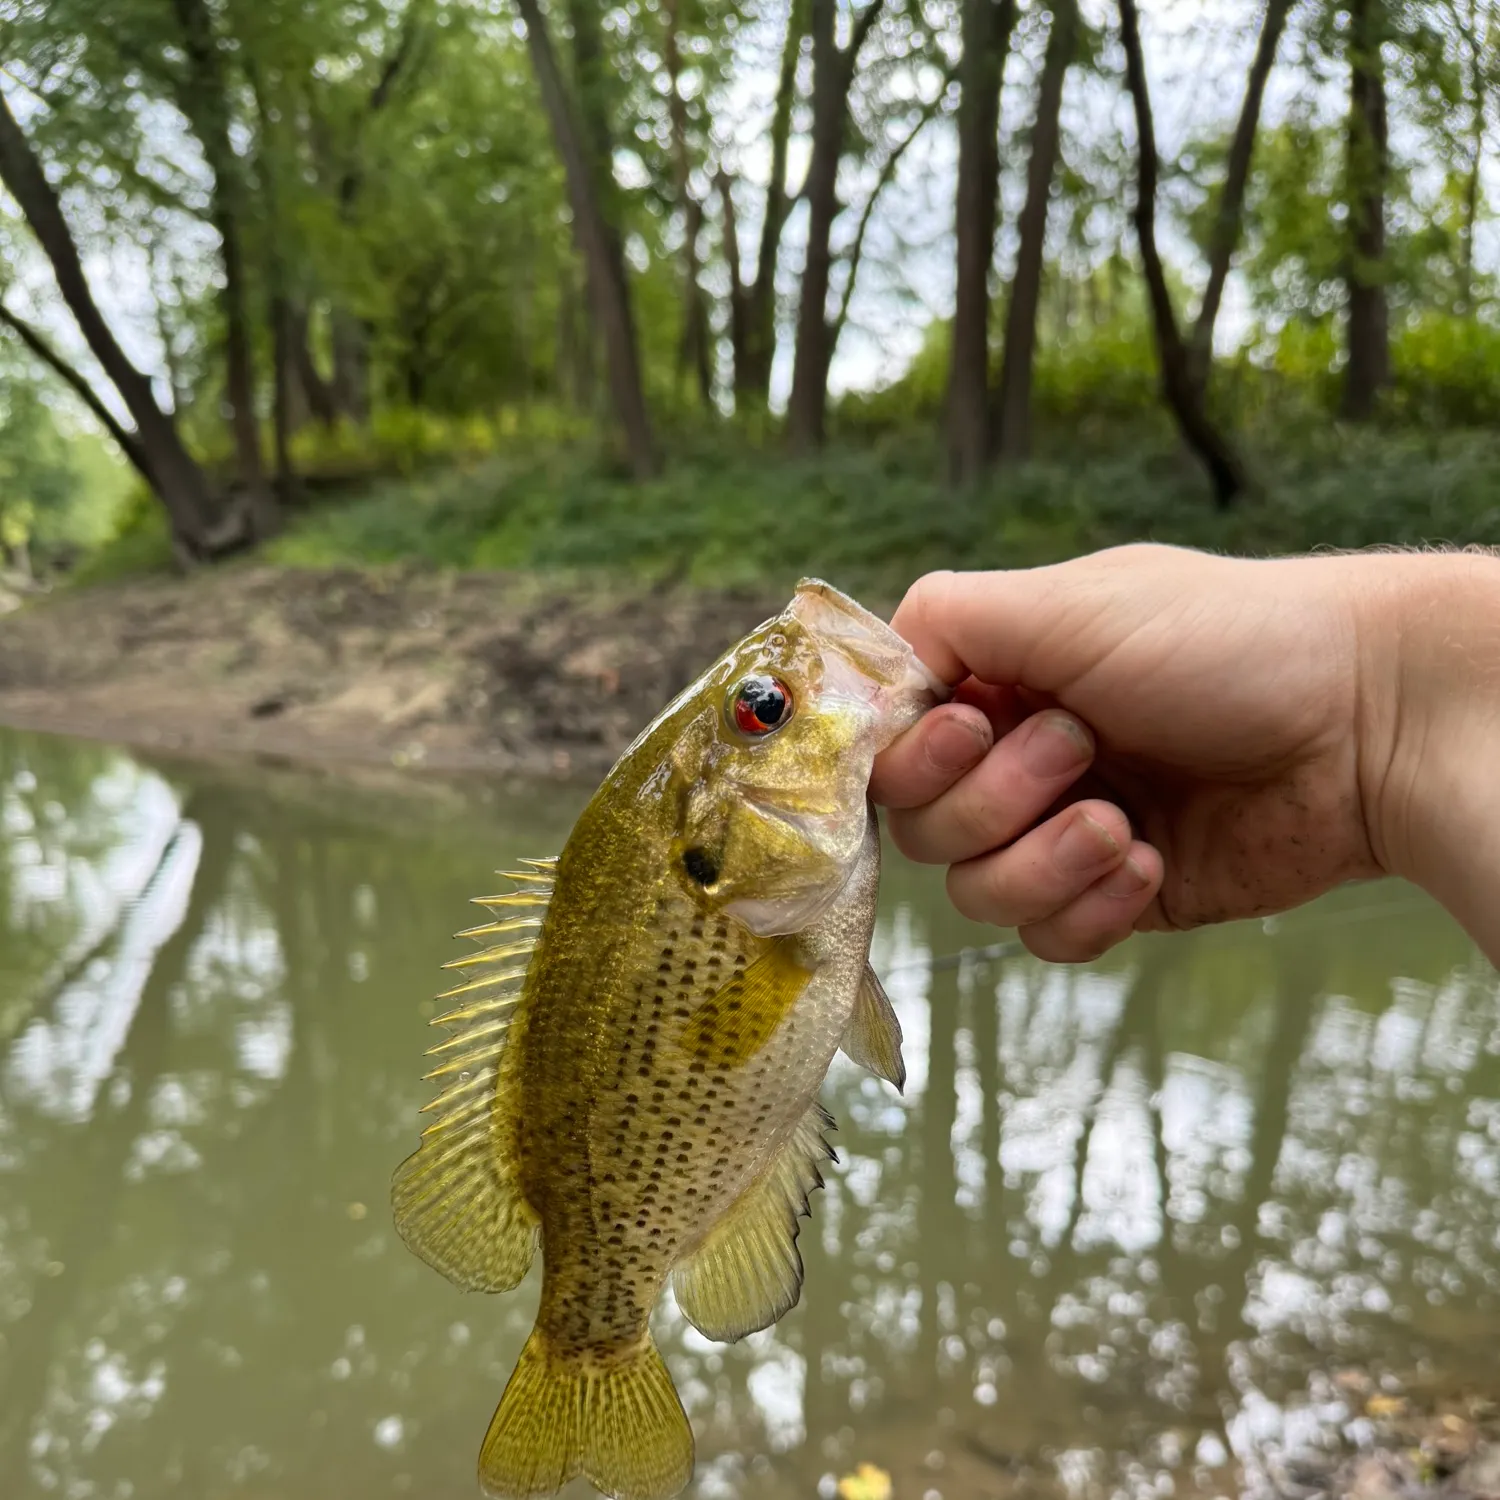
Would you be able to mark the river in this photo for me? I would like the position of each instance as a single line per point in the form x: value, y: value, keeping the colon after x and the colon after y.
x: 1139, y: 1227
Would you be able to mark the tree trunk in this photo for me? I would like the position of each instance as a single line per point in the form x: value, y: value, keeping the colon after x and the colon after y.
x: 1368, y: 366
x: 129, y: 443
x: 986, y: 37
x: 284, y: 398
x: 692, y: 349
x: 738, y: 302
x: 1225, y: 236
x: 1178, y: 388
x: 316, y: 391
x: 177, y: 480
x: 693, y: 352
x: 833, y: 74
x: 1479, y: 45
x: 351, y: 367
x: 291, y: 320
x: 1012, y: 421
x: 755, y: 351
x: 205, y: 102
x: 598, y: 244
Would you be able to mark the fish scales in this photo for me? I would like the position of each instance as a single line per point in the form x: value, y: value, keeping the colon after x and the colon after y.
x: 634, y: 1177
x: 632, y: 1083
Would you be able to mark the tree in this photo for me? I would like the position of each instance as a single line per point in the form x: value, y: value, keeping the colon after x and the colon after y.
x: 833, y: 75
x: 1230, y: 210
x: 987, y: 26
x: 1179, y: 390
x: 1012, y: 419
x: 203, y: 94
x: 1367, y: 164
x: 584, y: 166
x: 198, y: 528
x: 752, y: 305
x: 693, y: 345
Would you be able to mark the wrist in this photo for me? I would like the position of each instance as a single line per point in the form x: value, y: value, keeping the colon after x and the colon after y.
x: 1428, y: 736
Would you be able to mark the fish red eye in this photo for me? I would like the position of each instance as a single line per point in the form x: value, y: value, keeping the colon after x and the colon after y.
x: 759, y: 705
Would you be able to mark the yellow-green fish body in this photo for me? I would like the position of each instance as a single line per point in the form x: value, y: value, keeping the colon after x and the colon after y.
x: 633, y: 1076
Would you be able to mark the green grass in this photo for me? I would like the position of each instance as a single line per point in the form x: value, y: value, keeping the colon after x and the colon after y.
x: 871, y: 515
x: 875, y: 515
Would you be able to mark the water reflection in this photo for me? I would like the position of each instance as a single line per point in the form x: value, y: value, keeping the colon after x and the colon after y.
x: 1126, y: 1223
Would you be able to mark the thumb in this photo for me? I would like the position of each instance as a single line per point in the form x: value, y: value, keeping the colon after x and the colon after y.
x: 988, y: 625
x: 1047, y: 628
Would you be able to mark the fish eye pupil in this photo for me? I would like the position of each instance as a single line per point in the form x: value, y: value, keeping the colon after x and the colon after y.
x: 760, y: 704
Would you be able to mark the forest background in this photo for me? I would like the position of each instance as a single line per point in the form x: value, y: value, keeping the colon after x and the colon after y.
x: 724, y: 290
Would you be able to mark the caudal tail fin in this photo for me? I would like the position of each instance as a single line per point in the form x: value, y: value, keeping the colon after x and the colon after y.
x: 618, y: 1423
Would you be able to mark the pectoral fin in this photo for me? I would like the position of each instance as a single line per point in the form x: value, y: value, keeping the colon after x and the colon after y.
x: 873, y: 1036
x: 748, y: 1272
x: 739, y: 1018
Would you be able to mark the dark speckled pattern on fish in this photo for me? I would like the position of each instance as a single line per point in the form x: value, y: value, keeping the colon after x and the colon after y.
x: 639, y: 1096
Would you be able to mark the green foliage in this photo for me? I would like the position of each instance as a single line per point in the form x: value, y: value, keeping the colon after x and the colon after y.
x: 1447, y: 373
x: 874, y: 516
x: 58, y: 486
x: 403, y: 194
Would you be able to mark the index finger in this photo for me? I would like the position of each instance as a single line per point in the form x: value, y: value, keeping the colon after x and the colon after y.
x: 944, y: 744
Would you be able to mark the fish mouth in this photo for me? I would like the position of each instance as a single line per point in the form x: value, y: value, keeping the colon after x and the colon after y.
x: 867, y: 643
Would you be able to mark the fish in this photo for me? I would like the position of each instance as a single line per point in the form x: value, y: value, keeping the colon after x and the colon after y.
x: 630, y: 1080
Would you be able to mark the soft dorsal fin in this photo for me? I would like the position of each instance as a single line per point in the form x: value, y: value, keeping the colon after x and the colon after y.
x: 873, y: 1036
x: 741, y: 1016
x: 456, y: 1199
x: 748, y: 1271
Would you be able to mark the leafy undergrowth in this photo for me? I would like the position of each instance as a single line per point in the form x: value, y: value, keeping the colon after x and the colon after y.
x: 876, y: 516
x: 872, y: 515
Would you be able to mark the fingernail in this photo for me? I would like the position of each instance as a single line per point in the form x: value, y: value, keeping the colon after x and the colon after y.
x: 1129, y: 880
x: 956, y: 743
x: 1056, y: 745
x: 1085, y: 845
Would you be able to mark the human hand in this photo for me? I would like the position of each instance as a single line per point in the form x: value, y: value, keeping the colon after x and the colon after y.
x: 1153, y: 738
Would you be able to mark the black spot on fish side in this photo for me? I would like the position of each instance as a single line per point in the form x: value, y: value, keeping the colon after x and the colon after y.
x: 700, y: 866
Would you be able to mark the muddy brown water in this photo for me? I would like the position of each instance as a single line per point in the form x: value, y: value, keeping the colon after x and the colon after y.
x: 1166, y: 1224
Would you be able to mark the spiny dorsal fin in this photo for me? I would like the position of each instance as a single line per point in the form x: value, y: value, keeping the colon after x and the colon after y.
x: 456, y: 1199
x: 873, y: 1035
x: 741, y: 1016
x: 748, y: 1272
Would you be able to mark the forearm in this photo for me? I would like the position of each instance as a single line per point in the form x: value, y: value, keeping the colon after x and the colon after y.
x: 1430, y: 736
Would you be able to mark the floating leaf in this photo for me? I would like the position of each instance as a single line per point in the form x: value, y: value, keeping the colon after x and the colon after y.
x: 867, y: 1482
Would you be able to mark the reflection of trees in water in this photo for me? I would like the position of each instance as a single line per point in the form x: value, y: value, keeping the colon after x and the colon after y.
x: 81, y: 830
x: 1154, y: 1340
x: 78, y: 1216
x: 205, y: 1216
x: 1112, y: 1188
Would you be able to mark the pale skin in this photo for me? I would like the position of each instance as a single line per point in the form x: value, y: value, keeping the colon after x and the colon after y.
x: 1152, y: 738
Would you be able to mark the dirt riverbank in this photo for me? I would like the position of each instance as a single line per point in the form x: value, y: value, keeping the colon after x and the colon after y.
x: 454, y: 672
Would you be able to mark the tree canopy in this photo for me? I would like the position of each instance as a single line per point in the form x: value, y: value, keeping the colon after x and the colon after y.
x: 231, y: 225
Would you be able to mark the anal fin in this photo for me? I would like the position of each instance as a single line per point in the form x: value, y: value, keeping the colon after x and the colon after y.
x: 748, y: 1271
x: 873, y: 1036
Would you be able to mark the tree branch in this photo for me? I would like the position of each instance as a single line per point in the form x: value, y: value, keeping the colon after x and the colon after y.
x: 129, y: 443
x: 1178, y: 388
x: 887, y: 175
x: 862, y: 28
x: 1231, y: 208
x: 405, y: 45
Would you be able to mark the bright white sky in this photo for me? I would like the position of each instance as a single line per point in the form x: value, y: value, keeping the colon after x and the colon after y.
x: 1197, y: 54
